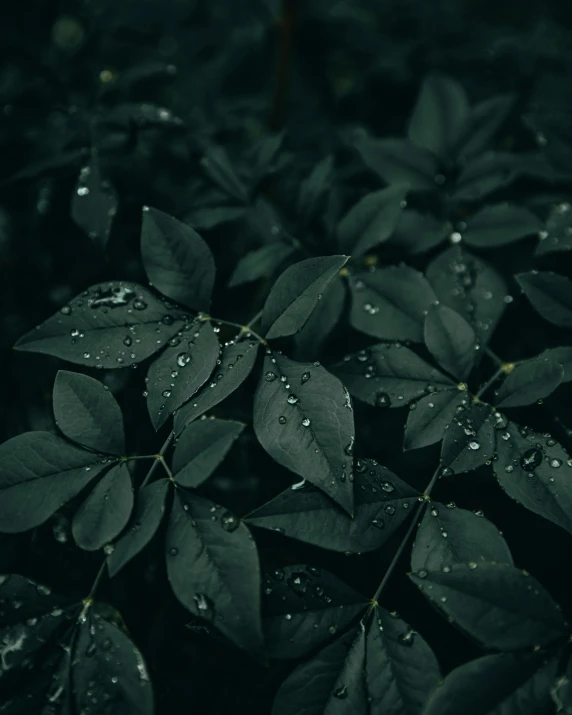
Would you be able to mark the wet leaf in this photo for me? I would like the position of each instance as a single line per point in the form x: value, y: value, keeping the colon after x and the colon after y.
x: 499, y: 225
x: 470, y: 440
x: 217, y: 165
x: 324, y: 318
x: 303, y: 418
x: 94, y: 204
x: 497, y: 604
x: 528, y: 382
x: 87, y: 413
x: 450, y: 340
x: 562, y: 356
x: 550, y: 295
x: 556, y: 236
x: 432, y: 415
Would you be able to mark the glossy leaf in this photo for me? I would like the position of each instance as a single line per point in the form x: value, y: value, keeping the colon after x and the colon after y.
x: 448, y: 535
x: 201, y: 447
x: 304, y: 419
x: 535, y: 470
x: 556, y: 236
x: 390, y: 303
x: 260, y: 263
x: 371, y: 220
x: 336, y: 673
x: 212, y: 567
x: 430, y: 417
x: 439, y: 115
x: 450, y: 340
x: 399, y: 161
x: 181, y: 370
x: 303, y: 607
x: 237, y: 360
x: 499, y: 225
x: 177, y: 260
x: 296, y: 293
x: 104, y: 513
x: 94, y: 204
x: 550, y: 295
x: 562, y: 356
x: 145, y: 520
x: 470, y: 440
x: 39, y: 473
x: 382, y: 503
x: 528, y: 382
x: 389, y: 375
x: 87, y: 413
x: 494, y: 604
x: 110, y: 325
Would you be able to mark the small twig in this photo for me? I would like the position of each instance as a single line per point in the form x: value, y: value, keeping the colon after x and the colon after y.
x: 246, y: 329
x: 166, y: 468
x: 491, y: 381
x: 493, y: 356
x: 158, y: 458
x: 254, y: 320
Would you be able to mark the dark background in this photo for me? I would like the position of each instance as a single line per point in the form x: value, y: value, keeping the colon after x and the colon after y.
x: 74, y: 75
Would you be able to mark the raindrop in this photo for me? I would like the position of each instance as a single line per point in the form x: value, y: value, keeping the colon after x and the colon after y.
x: 472, y: 564
x: 203, y: 604
x: 531, y: 459
x: 555, y: 463
x: 139, y: 304
x: 305, y: 377
x: 382, y: 400
x: 341, y: 693
x: 378, y: 523
x: 229, y: 522
x: 389, y: 509
x: 305, y: 422
x: 66, y: 310
x: 292, y: 399
x: 299, y: 583
x: 407, y: 639
x: 166, y: 393
x: 422, y: 573
x: 474, y: 445
x: 387, y: 487
x: 270, y: 376
x: 183, y: 359
x: 282, y: 420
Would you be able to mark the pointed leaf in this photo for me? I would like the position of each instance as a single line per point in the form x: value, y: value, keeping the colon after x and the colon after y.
x: 448, y: 535
x: 313, y: 189
x: 399, y: 161
x: 485, y: 119
x: 144, y: 522
x: 296, y: 293
x: 371, y: 220
x: 535, y: 470
x: 528, y: 382
x: 177, y: 260
x: 417, y: 232
x: 563, y: 356
x: 303, y: 418
x: 218, y: 167
x: 94, y: 204
x: 469, y: 286
x: 430, y: 417
x: 209, y: 217
x: 322, y: 321
x: 389, y: 375
x: 87, y: 413
x: 237, y: 360
x: 337, y: 678
x: 104, y: 513
x: 450, y: 340
x: 557, y: 234
x: 110, y: 325
x: 484, y: 174
x: 439, y: 115
x: 260, y: 263
x: 382, y: 503
x: 201, y: 447
x: 181, y: 369
x: 303, y: 607
x: 550, y: 295
x: 39, y: 473
x: 499, y: 225
x: 496, y: 604
x: 402, y: 670
x: 515, y: 684
x: 213, y: 568
x: 470, y: 440
x: 390, y: 303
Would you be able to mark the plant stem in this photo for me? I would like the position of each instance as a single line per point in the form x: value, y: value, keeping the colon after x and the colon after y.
x: 255, y: 319
x: 493, y: 356
x: 166, y: 468
x: 158, y: 459
x: 287, y: 21
x: 490, y: 381
x: 242, y: 328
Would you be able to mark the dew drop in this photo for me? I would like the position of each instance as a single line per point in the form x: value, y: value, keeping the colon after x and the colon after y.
x: 531, y: 459
x: 305, y: 422
x: 270, y: 376
x: 292, y: 399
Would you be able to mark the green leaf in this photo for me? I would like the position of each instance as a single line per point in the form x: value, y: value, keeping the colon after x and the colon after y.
x: 145, y: 520
x: 213, y: 568
x: 439, y: 115
x: 451, y: 341
x: 237, y: 360
x: 448, y: 535
x: 430, y: 417
x: 556, y: 236
x: 563, y: 356
x: 104, y: 513
x: 201, y: 447
x: 550, y: 295
x: 515, y: 684
x: 389, y: 375
x: 87, y: 413
x: 470, y: 439
x: 528, y: 382
x: 535, y: 471
x: 390, y: 303
x: 469, y: 286
x: 382, y: 503
x: 484, y: 121
x: 371, y: 220
x: 209, y: 217
x: 401, y: 669
x: 303, y: 418
x: 561, y: 691
x: 217, y: 166
x: 417, y: 232
x: 484, y: 174
x: 399, y: 161
x: 296, y: 293
x: 337, y: 678
x: 497, y: 604
x: 499, y: 225
x: 181, y: 369
x: 314, y: 188
x: 110, y: 325
x: 260, y: 263
x: 303, y: 607
x: 309, y: 340
x: 39, y: 473
x: 177, y: 260
x: 94, y: 204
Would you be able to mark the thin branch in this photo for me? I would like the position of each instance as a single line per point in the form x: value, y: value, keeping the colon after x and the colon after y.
x: 491, y: 381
